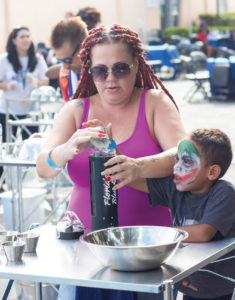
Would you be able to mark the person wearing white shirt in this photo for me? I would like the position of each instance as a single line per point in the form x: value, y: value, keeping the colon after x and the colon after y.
x: 21, y: 71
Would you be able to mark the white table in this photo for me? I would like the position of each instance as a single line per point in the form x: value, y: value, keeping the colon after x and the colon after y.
x: 71, y: 263
x: 9, y: 161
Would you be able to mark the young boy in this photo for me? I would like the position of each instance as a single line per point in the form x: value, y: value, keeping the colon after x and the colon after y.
x: 200, y: 203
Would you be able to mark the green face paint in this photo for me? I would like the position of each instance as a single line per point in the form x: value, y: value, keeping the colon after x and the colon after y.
x: 188, y: 165
x: 188, y: 147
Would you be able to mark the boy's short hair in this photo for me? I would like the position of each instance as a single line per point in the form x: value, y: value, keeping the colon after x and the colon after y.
x: 215, y: 146
x: 72, y: 30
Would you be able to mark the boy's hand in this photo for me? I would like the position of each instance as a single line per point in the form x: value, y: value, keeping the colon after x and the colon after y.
x: 122, y: 168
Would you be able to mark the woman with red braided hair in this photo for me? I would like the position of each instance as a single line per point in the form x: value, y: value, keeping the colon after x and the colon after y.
x: 118, y: 88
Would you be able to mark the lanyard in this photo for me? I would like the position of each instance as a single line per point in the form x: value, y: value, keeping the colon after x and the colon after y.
x: 72, y: 83
x: 23, y: 74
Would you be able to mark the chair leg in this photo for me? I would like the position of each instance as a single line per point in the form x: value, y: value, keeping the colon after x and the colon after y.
x: 193, y: 92
x: 190, y: 93
x: 203, y: 90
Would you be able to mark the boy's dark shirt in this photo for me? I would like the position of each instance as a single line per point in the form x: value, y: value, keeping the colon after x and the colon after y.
x: 215, y: 207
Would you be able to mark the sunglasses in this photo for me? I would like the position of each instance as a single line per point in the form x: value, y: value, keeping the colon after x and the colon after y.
x: 119, y: 70
x: 68, y: 60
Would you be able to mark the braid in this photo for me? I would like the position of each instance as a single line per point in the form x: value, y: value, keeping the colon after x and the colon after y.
x: 86, y: 85
x: 145, y: 77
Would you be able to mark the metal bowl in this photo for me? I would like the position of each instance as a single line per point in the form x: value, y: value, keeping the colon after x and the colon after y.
x: 30, y: 239
x: 134, y: 248
x: 7, y: 236
x: 13, y: 250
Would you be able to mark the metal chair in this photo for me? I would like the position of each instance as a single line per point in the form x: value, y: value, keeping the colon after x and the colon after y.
x: 221, y: 81
x: 199, y: 75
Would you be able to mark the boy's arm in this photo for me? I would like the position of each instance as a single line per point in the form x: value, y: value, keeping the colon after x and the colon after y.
x: 199, y: 232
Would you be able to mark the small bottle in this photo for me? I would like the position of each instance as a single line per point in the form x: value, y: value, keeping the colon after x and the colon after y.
x: 104, y: 201
x: 1, y: 140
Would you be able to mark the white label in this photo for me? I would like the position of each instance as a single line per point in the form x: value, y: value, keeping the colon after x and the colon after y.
x: 108, y: 198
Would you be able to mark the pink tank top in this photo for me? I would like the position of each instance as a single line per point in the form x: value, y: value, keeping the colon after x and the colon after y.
x: 133, y: 206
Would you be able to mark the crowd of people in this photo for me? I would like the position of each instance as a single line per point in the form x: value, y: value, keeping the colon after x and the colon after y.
x: 106, y: 81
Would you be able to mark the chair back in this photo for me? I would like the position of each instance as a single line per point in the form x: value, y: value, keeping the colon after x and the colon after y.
x: 221, y: 75
x: 198, y: 61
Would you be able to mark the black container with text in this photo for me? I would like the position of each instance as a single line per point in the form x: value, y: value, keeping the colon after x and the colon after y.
x: 104, y: 201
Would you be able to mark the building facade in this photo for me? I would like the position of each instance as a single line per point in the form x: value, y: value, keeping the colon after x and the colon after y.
x: 141, y: 15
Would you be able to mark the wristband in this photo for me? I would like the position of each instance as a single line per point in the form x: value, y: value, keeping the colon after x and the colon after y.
x: 51, y: 164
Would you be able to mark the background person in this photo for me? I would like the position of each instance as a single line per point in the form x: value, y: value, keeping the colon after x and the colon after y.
x: 68, y: 14
x: 202, y: 35
x: 117, y: 86
x: 200, y: 203
x: 231, y: 40
x: 90, y: 15
x: 66, y: 40
x: 21, y: 71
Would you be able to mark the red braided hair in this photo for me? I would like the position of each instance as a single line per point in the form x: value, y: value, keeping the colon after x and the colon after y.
x: 145, y: 77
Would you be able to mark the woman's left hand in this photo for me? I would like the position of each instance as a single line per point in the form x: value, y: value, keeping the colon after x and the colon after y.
x: 122, y: 168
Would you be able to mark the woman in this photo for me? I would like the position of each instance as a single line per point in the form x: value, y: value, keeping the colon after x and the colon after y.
x: 21, y: 71
x: 117, y: 86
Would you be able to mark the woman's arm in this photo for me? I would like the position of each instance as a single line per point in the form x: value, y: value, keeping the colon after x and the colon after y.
x: 42, y: 82
x: 65, y: 140
x: 127, y: 170
x: 53, y: 72
x: 3, y: 86
x: 168, y: 130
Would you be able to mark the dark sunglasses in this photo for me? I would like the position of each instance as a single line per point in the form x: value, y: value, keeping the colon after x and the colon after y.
x: 68, y: 60
x: 119, y: 70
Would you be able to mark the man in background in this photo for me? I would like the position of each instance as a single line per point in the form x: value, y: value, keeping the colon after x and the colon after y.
x: 66, y: 39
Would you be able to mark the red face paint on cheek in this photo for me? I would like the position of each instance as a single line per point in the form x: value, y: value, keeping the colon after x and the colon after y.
x: 187, y: 176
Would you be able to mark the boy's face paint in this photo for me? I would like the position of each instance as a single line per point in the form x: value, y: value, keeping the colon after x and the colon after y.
x: 188, y: 165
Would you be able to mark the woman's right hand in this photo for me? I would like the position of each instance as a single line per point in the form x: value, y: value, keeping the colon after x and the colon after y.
x: 11, y: 86
x: 78, y: 142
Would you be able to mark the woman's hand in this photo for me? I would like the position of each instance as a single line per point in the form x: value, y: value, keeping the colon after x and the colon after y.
x: 122, y: 168
x: 12, y: 85
x: 97, y: 122
x: 79, y: 142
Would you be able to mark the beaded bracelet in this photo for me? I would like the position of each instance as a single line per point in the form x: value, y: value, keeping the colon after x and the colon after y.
x: 51, y: 164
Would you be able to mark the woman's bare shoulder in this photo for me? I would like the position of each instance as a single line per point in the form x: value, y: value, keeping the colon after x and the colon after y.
x: 158, y: 98
x: 74, y: 105
x: 72, y: 108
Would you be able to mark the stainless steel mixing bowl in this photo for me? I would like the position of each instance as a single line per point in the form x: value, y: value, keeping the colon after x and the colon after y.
x: 134, y: 248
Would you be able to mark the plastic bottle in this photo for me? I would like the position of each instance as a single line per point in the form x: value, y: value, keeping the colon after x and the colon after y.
x: 104, y: 201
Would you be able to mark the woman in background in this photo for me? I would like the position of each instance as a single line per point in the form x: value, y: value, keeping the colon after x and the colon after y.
x: 21, y: 71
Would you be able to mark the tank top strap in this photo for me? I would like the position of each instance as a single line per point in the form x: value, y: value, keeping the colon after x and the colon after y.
x: 85, y: 111
x: 141, y: 118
